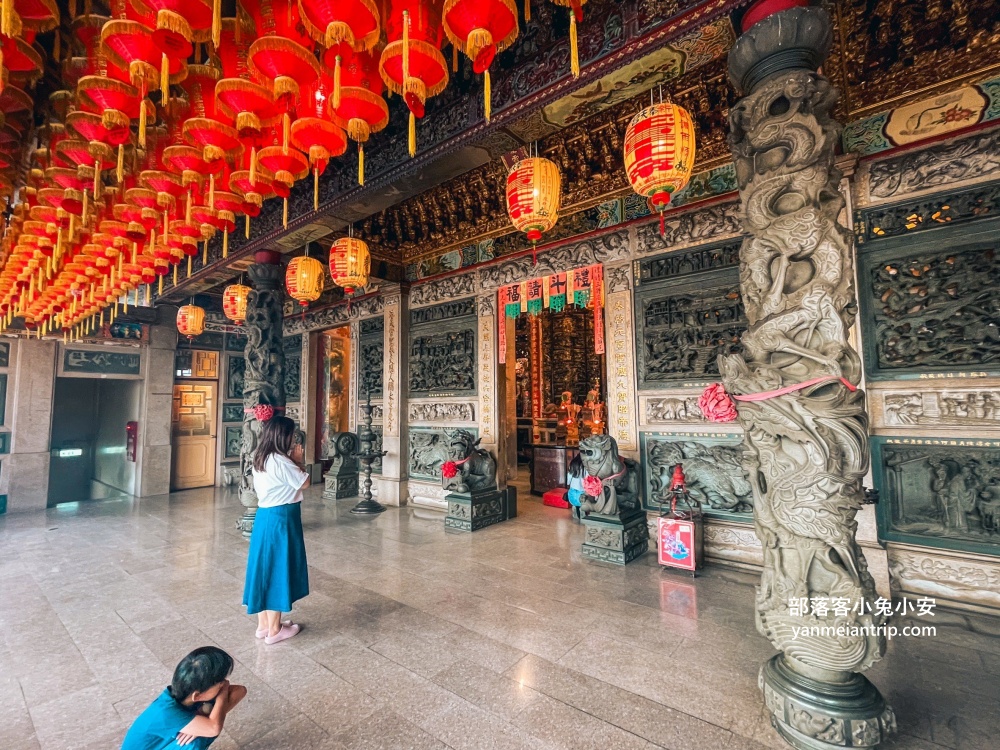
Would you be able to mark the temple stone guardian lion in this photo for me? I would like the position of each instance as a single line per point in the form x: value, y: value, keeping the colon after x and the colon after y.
x: 470, y: 473
x: 615, y: 523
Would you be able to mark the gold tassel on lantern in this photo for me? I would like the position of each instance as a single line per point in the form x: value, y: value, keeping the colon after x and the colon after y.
x: 211, y: 191
x: 336, y: 84
x: 7, y: 18
x: 413, y: 135
x: 204, y: 256
x: 486, y: 94
x: 188, y: 275
x: 217, y: 23
x: 406, y: 45
x: 142, y: 124
x: 315, y: 188
x: 120, y: 172
x: 454, y: 58
x: 284, y: 214
x: 246, y: 224
x: 361, y: 164
x: 225, y: 244
x: 175, y: 275
x: 164, y: 78
x: 527, y: 10
x: 253, y: 165
x: 286, y: 129
x: 574, y: 53
x: 159, y: 286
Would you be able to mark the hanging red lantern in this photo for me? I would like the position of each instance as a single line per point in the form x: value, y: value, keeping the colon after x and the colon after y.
x: 181, y: 22
x: 191, y: 320
x: 316, y: 133
x: 286, y: 164
x: 412, y: 64
x: 575, y: 17
x: 533, y: 196
x: 331, y: 22
x: 281, y: 53
x: 204, y: 126
x: 350, y: 263
x: 357, y: 96
x: 659, y: 153
x: 481, y: 29
x: 234, y: 302
x: 304, y: 279
x: 248, y: 105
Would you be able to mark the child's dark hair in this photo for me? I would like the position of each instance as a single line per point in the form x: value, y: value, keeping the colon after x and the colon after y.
x: 278, y: 436
x: 200, y: 670
x: 576, y: 466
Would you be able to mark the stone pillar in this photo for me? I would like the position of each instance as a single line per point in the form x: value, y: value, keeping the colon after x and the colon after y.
x: 491, y: 437
x: 622, y: 404
x: 807, y: 450
x: 152, y: 476
x: 31, y: 393
x: 391, y: 485
x: 264, y: 382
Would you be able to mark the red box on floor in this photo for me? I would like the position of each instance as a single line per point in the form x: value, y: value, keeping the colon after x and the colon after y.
x: 556, y: 498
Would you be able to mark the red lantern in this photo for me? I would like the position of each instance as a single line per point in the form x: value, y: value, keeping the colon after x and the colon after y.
x: 234, y: 302
x: 316, y: 134
x: 533, y: 195
x: 286, y: 164
x: 281, y: 52
x: 350, y: 263
x: 357, y: 100
x: 246, y: 103
x: 481, y: 29
x: 331, y: 22
x: 659, y: 153
x: 191, y: 320
x: 205, y: 127
x: 304, y: 279
x: 412, y: 64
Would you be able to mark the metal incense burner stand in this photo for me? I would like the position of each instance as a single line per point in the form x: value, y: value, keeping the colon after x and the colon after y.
x: 367, y: 506
x: 680, y: 532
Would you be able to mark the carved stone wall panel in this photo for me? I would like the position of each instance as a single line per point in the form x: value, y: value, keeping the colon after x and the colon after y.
x: 936, y: 408
x: 963, y: 161
x: 440, y: 410
x: 614, y: 246
x: 676, y: 406
x: 958, y: 579
x: 428, y: 494
x: 683, y: 328
x: 932, y: 306
x: 695, y: 227
x: 733, y: 544
x: 447, y: 288
x: 712, y: 465
x: 939, y: 492
x: 427, y: 449
x: 443, y: 362
x: 620, y: 363
x: 371, y: 358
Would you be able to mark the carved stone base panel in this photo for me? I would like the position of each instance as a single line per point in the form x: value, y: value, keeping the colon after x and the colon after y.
x: 338, y: 487
x: 441, y: 411
x: 471, y: 512
x: 615, y: 539
x: 427, y: 494
x: 957, y: 579
x: 678, y: 407
x: 815, y: 715
x: 936, y: 408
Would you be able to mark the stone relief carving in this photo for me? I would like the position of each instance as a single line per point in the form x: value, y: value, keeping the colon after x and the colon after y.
x: 683, y: 334
x: 936, y: 309
x: 715, y: 476
x: 329, y: 317
x: 487, y: 305
x: 952, y: 208
x: 443, y: 362
x: 445, y: 311
x: 969, y: 407
x: 943, y: 492
x: 371, y: 325
x: 729, y: 536
x: 691, y: 228
x: 476, y: 469
x: 428, y: 449
x: 959, y: 574
x: 441, y: 412
x: 617, y: 278
x: 442, y: 289
x: 807, y: 450
x: 370, y: 368
x: 673, y: 409
x: 609, y: 247
x: 976, y: 156
x: 676, y: 264
x: 376, y: 412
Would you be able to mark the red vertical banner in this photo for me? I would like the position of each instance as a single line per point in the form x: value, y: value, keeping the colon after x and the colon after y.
x: 597, y: 293
x: 501, y: 328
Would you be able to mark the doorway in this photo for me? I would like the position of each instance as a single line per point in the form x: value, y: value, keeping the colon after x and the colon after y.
x: 88, y: 458
x: 333, y: 384
x: 193, y: 431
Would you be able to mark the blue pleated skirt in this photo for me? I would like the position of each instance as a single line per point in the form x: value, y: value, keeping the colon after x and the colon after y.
x: 277, y: 573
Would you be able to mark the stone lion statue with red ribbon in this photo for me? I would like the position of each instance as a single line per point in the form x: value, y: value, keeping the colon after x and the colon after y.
x: 611, y: 482
x: 468, y: 467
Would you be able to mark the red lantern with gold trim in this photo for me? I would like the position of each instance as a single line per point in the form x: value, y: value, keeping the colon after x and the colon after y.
x: 191, y: 320
x: 357, y: 96
x: 316, y: 133
x: 304, y: 279
x: 331, y: 22
x: 350, y: 263
x: 234, y: 302
x: 533, y: 196
x: 412, y: 64
x: 481, y: 29
x: 281, y: 53
x: 659, y: 153
x: 247, y: 104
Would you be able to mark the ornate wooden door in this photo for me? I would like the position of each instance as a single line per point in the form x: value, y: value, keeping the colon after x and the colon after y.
x: 193, y: 430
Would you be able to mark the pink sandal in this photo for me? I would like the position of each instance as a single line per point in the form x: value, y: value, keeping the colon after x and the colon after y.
x: 262, y: 632
x: 286, y: 632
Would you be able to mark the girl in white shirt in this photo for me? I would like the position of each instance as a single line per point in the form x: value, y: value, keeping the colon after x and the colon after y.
x: 277, y: 572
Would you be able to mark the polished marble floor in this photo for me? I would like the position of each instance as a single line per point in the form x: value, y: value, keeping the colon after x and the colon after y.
x: 414, y: 638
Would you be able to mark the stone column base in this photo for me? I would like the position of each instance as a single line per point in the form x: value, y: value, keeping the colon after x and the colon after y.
x: 245, y: 522
x: 338, y: 487
x: 474, y: 511
x: 814, y: 715
x: 615, y: 539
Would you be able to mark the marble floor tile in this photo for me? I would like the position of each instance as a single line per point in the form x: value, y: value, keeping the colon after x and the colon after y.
x: 413, y: 638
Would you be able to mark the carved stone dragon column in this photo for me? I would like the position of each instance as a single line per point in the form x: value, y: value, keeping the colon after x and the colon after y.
x: 264, y: 382
x: 807, y: 446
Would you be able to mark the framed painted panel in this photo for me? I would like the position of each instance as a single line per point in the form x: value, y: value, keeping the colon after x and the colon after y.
x: 711, y: 460
x: 939, y: 492
x: 102, y: 361
x: 235, y: 373
x: 236, y: 342
x: 234, y: 442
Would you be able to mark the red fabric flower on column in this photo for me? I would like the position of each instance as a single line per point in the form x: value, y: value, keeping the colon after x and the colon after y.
x: 263, y: 412
x: 716, y: 405
x: 592, y: 486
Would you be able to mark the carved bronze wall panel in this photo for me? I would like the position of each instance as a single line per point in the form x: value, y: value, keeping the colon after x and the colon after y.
x: 293, y: 368
x: 686, y: 319
x: 443, y: 357
x: 371, y: 357
x: 715, y: 476
x: 933, y: 306
x: 942, y: 493
x: 961, y: 206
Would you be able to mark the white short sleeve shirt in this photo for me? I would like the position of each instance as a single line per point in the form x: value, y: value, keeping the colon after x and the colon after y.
x: 280, y: 483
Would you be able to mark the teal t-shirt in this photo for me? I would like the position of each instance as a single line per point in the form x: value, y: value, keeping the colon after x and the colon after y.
x: 156, y: 728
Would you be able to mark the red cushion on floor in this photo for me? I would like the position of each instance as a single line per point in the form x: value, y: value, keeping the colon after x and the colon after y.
x: 556, y: 498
